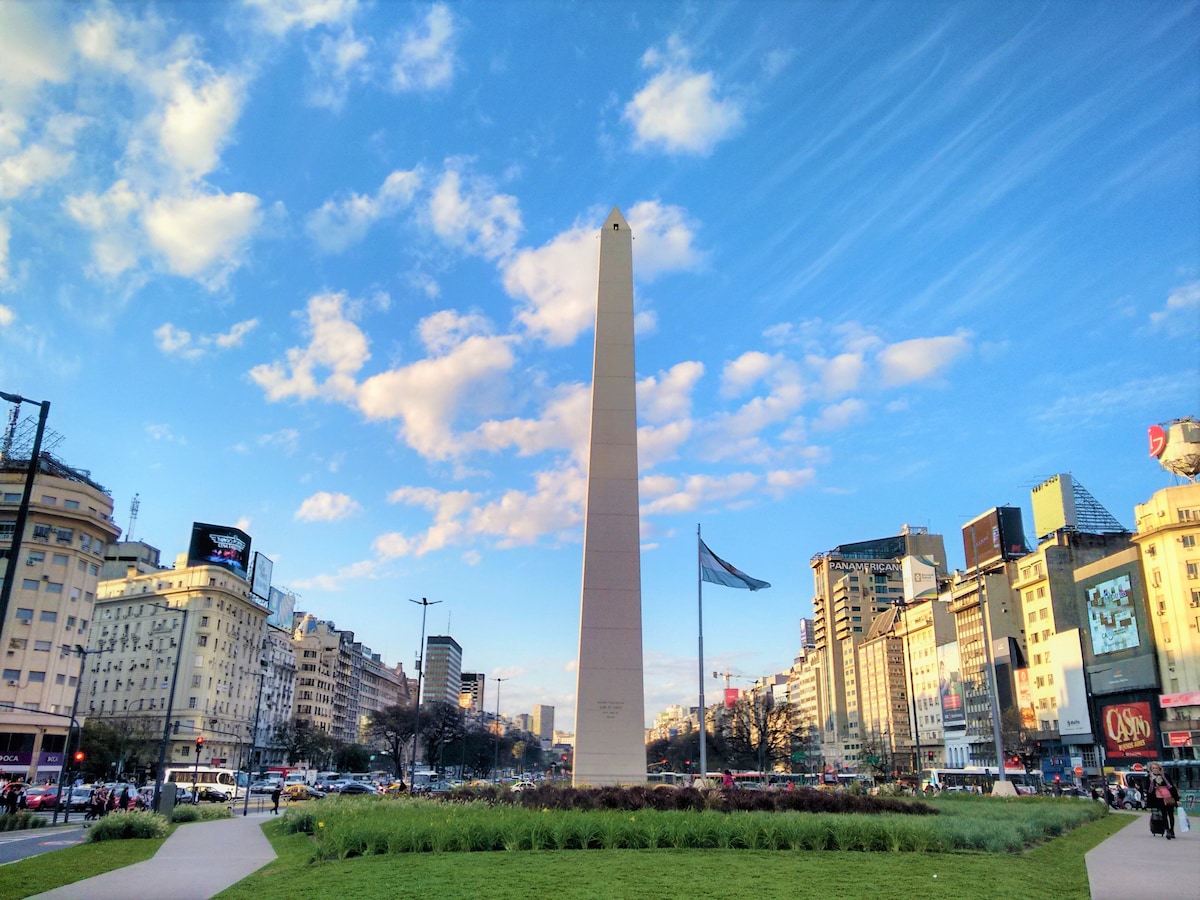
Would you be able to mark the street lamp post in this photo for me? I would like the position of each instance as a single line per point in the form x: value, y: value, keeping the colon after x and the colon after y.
x: 903, y: 605
x: 496, y: 759
x: 412, y: 771
x: 10, y: 571
x: 993, y: 686
x: 68, y: 756
x: 262, y: 677
x: 166, y: 738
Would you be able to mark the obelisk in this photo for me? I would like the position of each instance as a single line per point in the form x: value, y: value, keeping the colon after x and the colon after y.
x: 610, y: 731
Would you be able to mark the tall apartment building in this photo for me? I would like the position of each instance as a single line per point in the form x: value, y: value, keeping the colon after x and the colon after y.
x: 1168, y: 534
x: 471, y: 691
x: 276, y: 706
x: 853, y: 584
x: 315, y: 644
x: 55, y: 578
x: 139, y: 645
x: 543, y: 723
x: 380, y: 688
x: 443, y: 670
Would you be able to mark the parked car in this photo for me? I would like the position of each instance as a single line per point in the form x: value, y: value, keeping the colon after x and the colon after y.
x: 522, y: 785
x: 357, y: 787
x: 41, y: 797
x: 265, y: 786
x: 81, y: 798
x: 302, y: 792
x: 212, y: 794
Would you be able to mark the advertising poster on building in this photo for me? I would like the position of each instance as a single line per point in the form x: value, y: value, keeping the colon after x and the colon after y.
x: 920, y: 578
x: 1128, y: 730
x: 1070, y: 685
x: 281, y: 604
x: 220, y: 545
x: 1025, y: 701
x: 731, y: 697
x: 950, y: 686
x: 260, y: 576
x: 1112, y: 619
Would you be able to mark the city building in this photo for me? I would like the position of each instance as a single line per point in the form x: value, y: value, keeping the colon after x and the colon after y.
x: 443, y: 670
x: 315, y: 644
x: 854, y: 583
x: 470, y: 692
x: 54, y: 580
x: 182, y: 648
x: 543, y: 724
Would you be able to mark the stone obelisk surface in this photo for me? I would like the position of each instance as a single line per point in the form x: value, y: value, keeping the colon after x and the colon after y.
x: 610, y: 733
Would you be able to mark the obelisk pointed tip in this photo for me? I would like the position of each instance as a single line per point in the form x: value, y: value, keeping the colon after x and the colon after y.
x: 615, y: 221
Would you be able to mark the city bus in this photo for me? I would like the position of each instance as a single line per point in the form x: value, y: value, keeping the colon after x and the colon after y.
x: 189, y: 777
x: 979, y: 779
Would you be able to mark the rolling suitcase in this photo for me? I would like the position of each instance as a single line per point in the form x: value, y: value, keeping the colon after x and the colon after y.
x: 1158, y: 822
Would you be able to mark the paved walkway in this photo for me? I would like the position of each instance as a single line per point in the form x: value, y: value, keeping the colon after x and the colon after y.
x: 1133, y: 864
x: 197, y: 861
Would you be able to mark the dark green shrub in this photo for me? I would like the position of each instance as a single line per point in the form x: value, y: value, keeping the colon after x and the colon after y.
x: 123, y: 826
x: 20, y: 821
x: 192, y: 813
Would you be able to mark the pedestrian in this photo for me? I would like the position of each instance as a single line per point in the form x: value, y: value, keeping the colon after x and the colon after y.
x: 275, y: 795
x: 123, y: 803
x: 1162, y: 798
x: 727, y: 779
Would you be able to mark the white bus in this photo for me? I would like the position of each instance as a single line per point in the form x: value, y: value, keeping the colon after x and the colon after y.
x: 189, y: 777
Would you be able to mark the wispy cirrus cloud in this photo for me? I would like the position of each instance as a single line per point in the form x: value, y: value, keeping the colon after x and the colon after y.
x: 427, y: 55
x: 178, y: 342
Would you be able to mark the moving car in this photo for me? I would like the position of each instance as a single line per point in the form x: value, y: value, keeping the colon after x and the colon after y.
x: 212, y: 794
x: 264, y: 786
x: 302, y: 792
x: 357, y: 787
x: 41, y: 797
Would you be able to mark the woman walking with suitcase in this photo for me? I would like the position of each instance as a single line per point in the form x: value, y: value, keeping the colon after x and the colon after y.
x: 1162, y: 799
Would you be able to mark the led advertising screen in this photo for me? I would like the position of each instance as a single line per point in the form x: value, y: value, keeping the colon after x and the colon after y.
x: 1128, y: 730
x: 1112, y: 617
x: 220, y: 545
x: 950, y: 686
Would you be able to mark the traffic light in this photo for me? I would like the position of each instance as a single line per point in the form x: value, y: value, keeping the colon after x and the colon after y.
x: 78, y: 757
x: 931, y: 756
x: 199, y: 743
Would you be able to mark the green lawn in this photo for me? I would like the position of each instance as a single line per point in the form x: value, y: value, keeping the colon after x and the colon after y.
x: 59, y: 867
x: 1053, y: 870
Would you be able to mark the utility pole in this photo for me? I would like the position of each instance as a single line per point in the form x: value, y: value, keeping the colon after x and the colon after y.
x: 412, y: 771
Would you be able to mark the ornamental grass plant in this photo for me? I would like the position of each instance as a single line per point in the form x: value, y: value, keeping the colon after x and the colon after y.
x: 193, y: 813
x: 19, y: 821
x: 128, y: 825
x: 344, y: 828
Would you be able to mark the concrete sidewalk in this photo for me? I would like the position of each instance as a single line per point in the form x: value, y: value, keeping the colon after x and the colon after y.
x: 198, y: 861
x: 1133, y: 864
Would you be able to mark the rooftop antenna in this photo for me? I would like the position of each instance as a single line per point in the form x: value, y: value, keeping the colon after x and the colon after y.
x: 6, y: 442
x: 133, y: 511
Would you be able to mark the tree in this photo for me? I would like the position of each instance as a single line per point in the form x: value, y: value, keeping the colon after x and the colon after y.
x: 441, y: 726
x: 876, y: 754
x: 392, y: 728
x: 115, y: 746
x: 758, y: 731
x: 301, y: 742
x: 352, y: 758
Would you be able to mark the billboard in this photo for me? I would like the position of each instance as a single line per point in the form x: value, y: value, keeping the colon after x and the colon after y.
x: 281, y: 604
x: 1054, y: 505
x: 220, y: 545
x: 1128, y: 730
x: 1073, y: 718
x: 260, y: 576
x: 1025, y: 701
x: 996, y: 535
x: 731, y: 697
x: 919, y: 574
x: 1111, y: 616
x: 950, y: 686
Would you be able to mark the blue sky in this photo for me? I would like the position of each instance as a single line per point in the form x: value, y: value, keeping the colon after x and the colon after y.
x: 326, y: 269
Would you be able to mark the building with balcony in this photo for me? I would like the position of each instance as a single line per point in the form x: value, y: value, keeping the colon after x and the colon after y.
x: 55, y: 578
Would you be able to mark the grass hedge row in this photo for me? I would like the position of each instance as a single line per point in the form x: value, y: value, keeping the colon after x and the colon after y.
x: 126, y: 825
x: 19, y: 821
x: 350, y: 827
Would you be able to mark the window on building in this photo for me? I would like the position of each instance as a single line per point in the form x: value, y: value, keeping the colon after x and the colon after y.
x: 48, y: 615
x: 70, y: 504
x: 1193, y: 571
x: 49, y: 500
x: 64, y: 535
x: 58, y: 559
x: 1188, y: 540
x: 24, y: 615
x: 37, y: 677
x: 191, y: 702
x: 30, y: 584
x: 202, y: 640
x: 54, y: 587
x: 43, y: 646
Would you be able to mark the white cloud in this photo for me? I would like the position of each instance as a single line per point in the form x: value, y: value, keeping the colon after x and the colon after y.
x: 280, y: 16
x: 741, y: 374
x: 1183, y: 303
x: 428, y: 395
x: 518, y: 517
x: 109, y: 216
x: 197, y: 117
x: 562, y: 425
x: 840, y: 415
x: 178, y: 342
x: 31, y: 167
x: 667, y: 396
x: 839, y: 375
x: 558, y: 280
x: 324, y: 506
x: 5, y: 237
x: 426, y: 58
x: 782, y: 481
x: 702, y: 489
x: 448, y: 526
x: 163, y: 432
x: 443, y: 331
x: 340, y: 223
x: 469, y: 214
x: 339, y: 60
x: 663, y: 239
x: 7, y: 316
x: 335, y: 344
x: 203, y: 236
x: 920, y: 358
x: 678, y: 111
x: 33, y: 54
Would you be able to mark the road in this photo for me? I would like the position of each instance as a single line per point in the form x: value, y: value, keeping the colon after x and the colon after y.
x: 18, y: 845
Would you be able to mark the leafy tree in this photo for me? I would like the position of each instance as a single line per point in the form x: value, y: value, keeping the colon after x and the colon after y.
x: 682, y: 752
x: 116, y: 746
x: 301, y: 742
x: 392, y: 729
x: 876, y: 754
x: 352, y: 758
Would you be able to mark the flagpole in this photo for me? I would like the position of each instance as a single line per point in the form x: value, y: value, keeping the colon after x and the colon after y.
x: 700, y: 616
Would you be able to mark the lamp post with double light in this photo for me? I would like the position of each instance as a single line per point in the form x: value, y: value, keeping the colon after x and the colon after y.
x: 76, y: 755
x: 262, y: 677
x: 412, y: 771
x: 166, y: 738
x: 499, y: 728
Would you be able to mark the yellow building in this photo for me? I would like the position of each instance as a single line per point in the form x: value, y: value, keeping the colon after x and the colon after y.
x: 55, y: 580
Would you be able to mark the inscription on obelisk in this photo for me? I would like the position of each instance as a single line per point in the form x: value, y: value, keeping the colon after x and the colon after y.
x: 610, y: 736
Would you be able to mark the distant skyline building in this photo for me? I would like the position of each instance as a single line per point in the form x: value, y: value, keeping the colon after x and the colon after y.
x: 610, y: 696
x: 443, y: 670
x: 470, y: 692
x: 543, y: 722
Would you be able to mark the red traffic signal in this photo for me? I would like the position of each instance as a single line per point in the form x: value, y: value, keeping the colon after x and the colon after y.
x: 199, y: 742
x: 78, y: 756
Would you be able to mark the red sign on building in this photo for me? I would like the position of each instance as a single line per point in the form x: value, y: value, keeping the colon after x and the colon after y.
x: 731, y: 697
x: 1128, y: 730
x: 1179, y: 739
